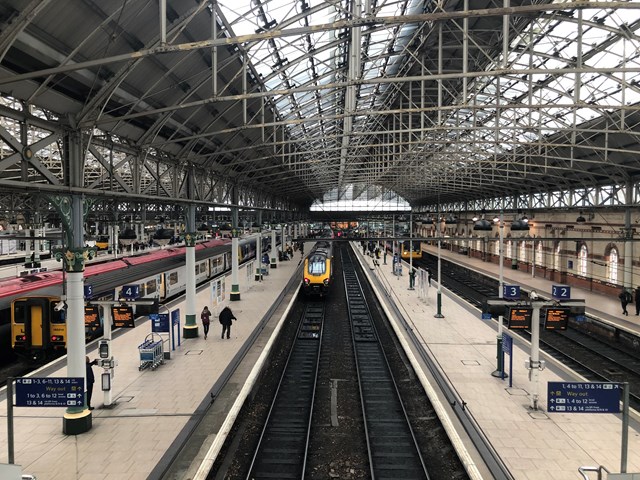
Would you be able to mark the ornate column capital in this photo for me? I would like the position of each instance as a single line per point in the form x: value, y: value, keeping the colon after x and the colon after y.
x: 190, y: 239
x: 75, y: 258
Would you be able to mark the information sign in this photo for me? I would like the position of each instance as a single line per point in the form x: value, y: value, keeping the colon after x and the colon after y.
x: 519, y: 318
x: 159, y: 322
x: 91, y: 317
x: 583, y: 397
x: 50, y: 392
x: 507, y: 343
x: 122, y: 316
x: 130, y: 292
x: 511, y: 292
x: 556, y: 318
x: 486, y: 316
x: 88, y: 291
x: 561, y: 292
x: 175, y: 317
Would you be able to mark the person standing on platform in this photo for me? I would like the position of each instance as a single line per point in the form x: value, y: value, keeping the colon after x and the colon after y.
x: 205, y: 316
x: 90, y: 379
x: 429, y: 276
x: 226, y: 317
x: 625, y: 299
x: 637, y: 300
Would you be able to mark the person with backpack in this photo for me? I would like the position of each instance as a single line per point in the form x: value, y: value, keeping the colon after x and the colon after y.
x: 625, y: 299
x: 226, y: 317
x: 205, y: 316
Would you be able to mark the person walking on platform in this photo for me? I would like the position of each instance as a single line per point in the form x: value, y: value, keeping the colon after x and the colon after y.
x: 637, y: 300
x: 625, y: 299
x: 205, y: 316
x: 90, y: 379
x: 226, y: 316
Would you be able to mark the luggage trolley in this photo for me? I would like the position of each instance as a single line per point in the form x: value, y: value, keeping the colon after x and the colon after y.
x: 151, y: 352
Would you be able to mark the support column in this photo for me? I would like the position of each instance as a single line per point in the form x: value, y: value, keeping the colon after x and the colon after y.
x: 190, y: 329
x: 274, y: 249
x: 235, y: 286
x: 258, y: 274
x: 72, y: 210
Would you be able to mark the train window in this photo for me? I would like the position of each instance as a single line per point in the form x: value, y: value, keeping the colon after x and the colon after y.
x: 57, y: 317
x: 151, y: 287
x: 317, y: 265
x: 173, y: 278
x: 19, y: 312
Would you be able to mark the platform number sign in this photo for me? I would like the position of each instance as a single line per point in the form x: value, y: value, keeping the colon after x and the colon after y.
x: 511, y: 292
x: 130, y: 291
x: 561, y: 292
x: 88, y: 291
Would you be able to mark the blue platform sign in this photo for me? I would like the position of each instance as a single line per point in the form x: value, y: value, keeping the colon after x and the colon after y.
x: 583, y: 397
x: 159, y: 322
x: 507, y: 343
x: 50, y: 392
x: 130, y: 292
x: 561, y: 292
x: 511, y: 292
x: 486, y: 316
x: 88, y: 291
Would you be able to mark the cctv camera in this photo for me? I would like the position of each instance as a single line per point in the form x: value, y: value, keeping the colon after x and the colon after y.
x: 59, y: 306
x: 533, y: 295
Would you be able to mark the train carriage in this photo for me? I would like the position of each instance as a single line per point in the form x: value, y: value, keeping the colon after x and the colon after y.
x: 410, y: 249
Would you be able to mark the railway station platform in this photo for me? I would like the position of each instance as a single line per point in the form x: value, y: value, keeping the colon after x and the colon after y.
x: 533, y: 444
x: 154, y: 408
x: 132, y: 439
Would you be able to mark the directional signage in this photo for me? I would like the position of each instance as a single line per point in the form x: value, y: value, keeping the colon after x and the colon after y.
x: 561, y: 292
x: 511, y: 292
x: 519, y: 318
x: 486, y: 316
x: 556, y: 318
x: 50, y: 392
x: 587, y: 397
x: 159, y: 322
x: 122, y: 316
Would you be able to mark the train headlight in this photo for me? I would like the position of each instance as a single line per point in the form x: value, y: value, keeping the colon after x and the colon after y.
x: 307, y: 281
x: 326, y: 282
x: 57, y: 338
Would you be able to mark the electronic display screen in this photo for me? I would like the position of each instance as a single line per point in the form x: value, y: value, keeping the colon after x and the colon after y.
x: 122, y: 316
x: 519, y: 318
x: 91, y: 317
x: 556, y: 318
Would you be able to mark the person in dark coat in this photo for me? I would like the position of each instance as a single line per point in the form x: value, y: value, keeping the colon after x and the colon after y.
x: 205, y: 316
x: 625, y: 299
x: 90, y: 379
x: 637, y: 300
x: 226, y: 317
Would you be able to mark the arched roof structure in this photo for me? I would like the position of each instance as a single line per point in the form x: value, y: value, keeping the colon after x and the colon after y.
x: 274, y: 103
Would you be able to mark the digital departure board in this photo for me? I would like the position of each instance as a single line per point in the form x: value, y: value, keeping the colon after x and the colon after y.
x: 556, y: 318
x: 122, y: 316
x: 519, y: 318
x: 91, y: 317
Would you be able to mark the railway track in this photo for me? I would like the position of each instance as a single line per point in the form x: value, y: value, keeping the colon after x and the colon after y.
x: 392, y: 446
x: 283, y: 445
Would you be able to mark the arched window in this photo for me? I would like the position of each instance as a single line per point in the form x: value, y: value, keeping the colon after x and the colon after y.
x: 538, y: 259
x: 612, y: 270
x: 496, y: 247
x: 556, y: 257
x: 508, y: 252
x: 522, y: 247
x: 582, y: 261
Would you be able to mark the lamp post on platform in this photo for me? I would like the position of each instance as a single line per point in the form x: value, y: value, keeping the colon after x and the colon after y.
x: 499, y: 371
x: 439, y: 294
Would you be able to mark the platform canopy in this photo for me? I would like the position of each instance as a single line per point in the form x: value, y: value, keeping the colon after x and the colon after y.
x: 287, y: 100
